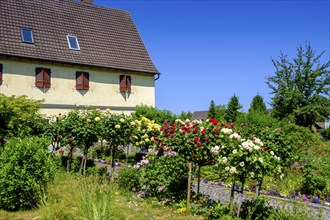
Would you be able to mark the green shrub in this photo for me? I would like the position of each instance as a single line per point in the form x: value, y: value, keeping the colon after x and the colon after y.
x: 305, y: 142
x: 256, y: 208
x: 313, y: 183
x: 128, y: 178
x: 165, y: 177
x: 26, y: 168
x: 326, y: 133
x: 210, y: 172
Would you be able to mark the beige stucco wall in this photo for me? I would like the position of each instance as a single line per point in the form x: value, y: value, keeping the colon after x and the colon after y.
x: 19, y: 79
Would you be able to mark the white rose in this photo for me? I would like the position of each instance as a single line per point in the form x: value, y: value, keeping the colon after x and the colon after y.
x: 261, y: 160
x: 272, y: 153
x: 241, y: 164
x: 234, y: 151
x: 233, y: 170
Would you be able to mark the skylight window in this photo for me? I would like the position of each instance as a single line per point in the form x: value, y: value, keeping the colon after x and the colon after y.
x: 73, y: 42
x: 27, y: 36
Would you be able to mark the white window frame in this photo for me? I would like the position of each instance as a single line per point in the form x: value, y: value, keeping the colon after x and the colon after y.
x: 68, y: 39
x: 22, y: 36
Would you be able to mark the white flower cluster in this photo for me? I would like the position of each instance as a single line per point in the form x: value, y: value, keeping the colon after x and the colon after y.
x: 226, y: 131
x: 258, y: 141
x: 248, y: 145
x: 235, y: 136
x: 215, y: 150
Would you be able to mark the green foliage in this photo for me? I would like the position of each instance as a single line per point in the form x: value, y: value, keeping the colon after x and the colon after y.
x: 301, y: 87
x: 76, y: 163
x: 326, y: 133
x: 210, y: 172
x: 256, y: 208
x: 211, y: 112
x: 26, y: 168
x: 19, y: 116
x: 220, y: 112
x: 165, y: 177
x: 219, y: 211
x: 216, y: 111
x: 233, y: 108
x: 159, y: 116
x: 304, y: 141
x: 185, y: 115
x: 253, y: 123
x: 128, y: 179
x: 258, y: 105
x: 314, y: 182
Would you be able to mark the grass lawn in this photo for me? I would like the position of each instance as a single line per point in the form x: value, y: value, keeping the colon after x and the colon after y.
x: 74, y: 197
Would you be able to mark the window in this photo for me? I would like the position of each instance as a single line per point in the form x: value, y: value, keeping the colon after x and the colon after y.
x: 125, y: 82
x: 1, y: 72
x: 27, y: 36
x: 73, y: 42
x: 43, y: 77
x: 82, y: 80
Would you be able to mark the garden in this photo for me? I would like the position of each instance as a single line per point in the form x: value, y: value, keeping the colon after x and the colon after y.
x: 153, y: 164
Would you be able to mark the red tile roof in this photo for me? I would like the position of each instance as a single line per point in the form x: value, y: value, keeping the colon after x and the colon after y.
x: 107, y: 37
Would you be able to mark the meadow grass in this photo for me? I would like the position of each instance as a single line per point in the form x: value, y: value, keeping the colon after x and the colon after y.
x: 77, y: 197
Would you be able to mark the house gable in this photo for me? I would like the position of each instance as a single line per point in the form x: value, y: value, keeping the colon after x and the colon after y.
x: 107, y: 37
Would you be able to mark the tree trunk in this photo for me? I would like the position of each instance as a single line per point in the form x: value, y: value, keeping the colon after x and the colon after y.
x: 189, y: 184
x: 232, y: 194
x: 199, y: 180
x: 258, y: 188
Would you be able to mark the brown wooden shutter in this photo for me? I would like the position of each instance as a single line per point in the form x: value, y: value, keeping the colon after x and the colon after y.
x: 39, y: 77
x: 1, y: 73
x: 122, y: 86
x: 47, y: 77
x: 128, y: 83
x: 86, y: 81
x: 79, y: 80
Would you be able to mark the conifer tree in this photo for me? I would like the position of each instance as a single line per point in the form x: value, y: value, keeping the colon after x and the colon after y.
x: 211, y: 113
x: 301, y: 87
x: 233, y: 108
x: 258, y: 105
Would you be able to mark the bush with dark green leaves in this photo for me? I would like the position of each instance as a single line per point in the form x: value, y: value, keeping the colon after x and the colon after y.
x: 326, y: 133
x: 128, y: 179
x: 26, y: 169
x: 165, y: 177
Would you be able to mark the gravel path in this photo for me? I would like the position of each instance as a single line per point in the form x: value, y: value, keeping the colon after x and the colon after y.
x: 221, y: 194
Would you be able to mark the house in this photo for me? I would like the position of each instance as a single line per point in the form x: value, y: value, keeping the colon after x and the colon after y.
x: 200, y: 115
x: 74, y: 54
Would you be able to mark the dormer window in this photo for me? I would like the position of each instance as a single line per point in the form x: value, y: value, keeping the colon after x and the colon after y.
x: 27, y: 36
x: 73, y: 42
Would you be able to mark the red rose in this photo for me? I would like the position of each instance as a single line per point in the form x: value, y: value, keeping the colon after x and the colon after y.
x: 161, y: 129
x: 214, y: 122
x: 216, y: 132
x: 196, y: 139
x: 199, y: 143
x: 188, y: 142
x: 59, y: 136
x: 203, y: 133
x: 232, y: 124
x: 207, y: 139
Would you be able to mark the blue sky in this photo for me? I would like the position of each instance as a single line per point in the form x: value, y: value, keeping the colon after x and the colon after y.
x: 211, y: 50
